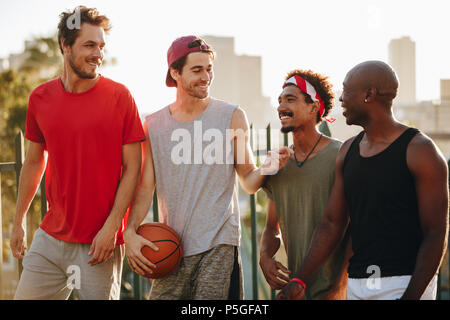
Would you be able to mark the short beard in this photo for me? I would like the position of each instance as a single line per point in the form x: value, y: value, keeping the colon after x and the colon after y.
x: 287, y: 129
x: 192, y: 92
x: 81, y: 74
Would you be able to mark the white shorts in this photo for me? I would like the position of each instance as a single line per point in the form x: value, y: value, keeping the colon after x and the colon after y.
x: 386, y: 288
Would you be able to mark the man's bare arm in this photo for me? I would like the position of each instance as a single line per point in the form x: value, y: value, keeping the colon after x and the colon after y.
x: 30, y: 177
x: 141, y: 206
x: 103, y: 244
x: 250, y: 176
x: 431, y: 177
x: 270, y: 243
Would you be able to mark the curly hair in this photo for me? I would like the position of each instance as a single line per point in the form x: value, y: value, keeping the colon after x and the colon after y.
x: 89, y: 15
x: 322, y: 86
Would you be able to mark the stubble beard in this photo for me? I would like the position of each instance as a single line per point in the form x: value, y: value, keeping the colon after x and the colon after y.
x: 191, y: 90
x: 79, y: 72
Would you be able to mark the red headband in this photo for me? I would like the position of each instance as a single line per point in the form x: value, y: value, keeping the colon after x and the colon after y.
x: 307, y: 88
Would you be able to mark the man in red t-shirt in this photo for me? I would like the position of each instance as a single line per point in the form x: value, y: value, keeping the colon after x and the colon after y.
x: 90, y: 127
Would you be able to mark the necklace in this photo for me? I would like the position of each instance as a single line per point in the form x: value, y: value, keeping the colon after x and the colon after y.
x: 300, y: 163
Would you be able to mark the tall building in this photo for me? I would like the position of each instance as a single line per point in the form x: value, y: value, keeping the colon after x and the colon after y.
x: 445, y: 91
x: 402, y: 57
x: 238, y: 80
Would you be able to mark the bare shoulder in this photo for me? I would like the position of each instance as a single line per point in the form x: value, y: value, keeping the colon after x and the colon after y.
x: 422, y: 146
x: 147, y: 145
x: 239, y: 119
x: 343, y: 150
x: 423, y: 153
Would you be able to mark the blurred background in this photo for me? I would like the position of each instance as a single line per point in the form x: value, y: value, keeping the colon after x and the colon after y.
x: 257, y: 44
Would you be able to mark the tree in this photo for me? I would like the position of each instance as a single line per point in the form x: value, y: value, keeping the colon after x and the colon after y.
x: 42, y: 62
x: 43, y: 58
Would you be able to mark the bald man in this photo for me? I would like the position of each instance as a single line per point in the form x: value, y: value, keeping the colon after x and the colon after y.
x: 391, y: 190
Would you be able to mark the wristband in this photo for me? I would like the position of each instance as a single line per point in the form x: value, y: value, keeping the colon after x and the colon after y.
x: 299, y: 281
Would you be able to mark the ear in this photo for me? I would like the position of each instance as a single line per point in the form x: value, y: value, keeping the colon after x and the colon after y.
x: 174, y: 74
x: 371, y: 93
x: 316, y: 106
x: 64, y: 46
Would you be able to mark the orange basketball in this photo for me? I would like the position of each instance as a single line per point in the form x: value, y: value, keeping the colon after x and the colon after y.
x: 169, y: 255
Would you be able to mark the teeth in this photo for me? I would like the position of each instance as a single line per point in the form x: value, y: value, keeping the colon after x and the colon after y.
x: 284, y: 117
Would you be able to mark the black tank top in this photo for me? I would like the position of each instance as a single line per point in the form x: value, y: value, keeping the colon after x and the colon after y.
x: 384, y: 216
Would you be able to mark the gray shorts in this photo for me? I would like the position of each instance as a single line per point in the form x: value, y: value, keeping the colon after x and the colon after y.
x: 52, y: 269
x: 212, y: 275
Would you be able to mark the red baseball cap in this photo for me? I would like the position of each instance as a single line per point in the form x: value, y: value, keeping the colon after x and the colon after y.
x: 180, y: 48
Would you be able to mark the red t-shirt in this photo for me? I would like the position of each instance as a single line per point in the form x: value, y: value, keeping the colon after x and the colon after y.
x: 84, y: 134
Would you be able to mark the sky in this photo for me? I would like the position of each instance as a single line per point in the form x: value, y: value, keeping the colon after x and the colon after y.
x: 326, y: 36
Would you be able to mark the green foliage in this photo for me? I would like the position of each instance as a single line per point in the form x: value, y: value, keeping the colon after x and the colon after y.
x: 42, y: 62
x: 14, y: 91
x: 43, y: 54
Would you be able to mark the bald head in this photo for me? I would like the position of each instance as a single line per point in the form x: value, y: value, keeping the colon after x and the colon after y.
x: 377, y: 75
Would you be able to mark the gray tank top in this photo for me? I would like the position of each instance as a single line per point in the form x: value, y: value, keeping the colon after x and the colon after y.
x: 195, y: 176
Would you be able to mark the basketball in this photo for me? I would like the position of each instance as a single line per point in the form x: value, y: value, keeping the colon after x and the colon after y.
x: 169, y: 255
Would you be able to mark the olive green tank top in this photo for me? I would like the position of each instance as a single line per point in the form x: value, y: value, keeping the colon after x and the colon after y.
x: 301, y: 196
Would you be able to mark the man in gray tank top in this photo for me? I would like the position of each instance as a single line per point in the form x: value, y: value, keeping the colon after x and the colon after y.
x: 194, y: 148
x: 299, y: 192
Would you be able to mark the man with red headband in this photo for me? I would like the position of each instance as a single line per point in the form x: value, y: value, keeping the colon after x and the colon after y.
x: 193, y: 152
x: 299, y: 192
x: 391, y: 186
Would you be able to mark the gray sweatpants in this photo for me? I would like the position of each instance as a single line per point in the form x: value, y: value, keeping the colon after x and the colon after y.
x: 212, y: 275
x: 53, y: 268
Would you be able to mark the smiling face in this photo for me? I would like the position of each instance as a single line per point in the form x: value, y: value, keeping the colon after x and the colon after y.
x: 294, y: 111
x: 196, y: 76
x: 86, y: 54
x: 352, y: 100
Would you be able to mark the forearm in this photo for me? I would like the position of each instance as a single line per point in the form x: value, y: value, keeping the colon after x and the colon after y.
x: 326, y: 238
x: 30, y: 177
x: 342, y: 279
x: 140, y: 208
x: 429, y: 258
x: 252, y: 181
x: 270, y: 243
x: 123, y: 198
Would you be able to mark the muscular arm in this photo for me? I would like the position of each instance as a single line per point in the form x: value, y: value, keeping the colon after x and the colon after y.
x: 327, y: 235
x: 30, y: 177
x: 431, y: 175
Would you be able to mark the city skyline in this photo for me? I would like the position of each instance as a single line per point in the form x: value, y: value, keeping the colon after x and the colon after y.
x: 402, y: 58
x: 285, y: 35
